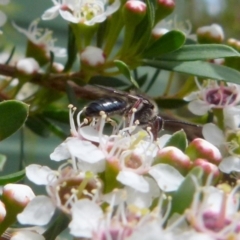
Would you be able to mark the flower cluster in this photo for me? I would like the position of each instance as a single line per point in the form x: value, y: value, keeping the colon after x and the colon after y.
x: 128, y: 171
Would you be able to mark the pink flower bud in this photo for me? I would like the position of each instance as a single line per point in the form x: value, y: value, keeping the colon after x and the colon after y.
x: 27, y: 66
x: 164, y: 8
x: 174, y: 157
x: 133, y: 12
x: 3, y: 211
x: 200, y: 148
x: 93, y: 56
x: 208, y: 168
x: 17, y: 194
x: 210, y: 34
x: 135, y: 6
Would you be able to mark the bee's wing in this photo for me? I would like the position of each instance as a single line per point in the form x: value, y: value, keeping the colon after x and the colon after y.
x: 112, y: 91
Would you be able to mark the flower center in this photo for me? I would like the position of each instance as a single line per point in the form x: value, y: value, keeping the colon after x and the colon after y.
x: 233, y: 144
x: 91, y: 8
x: 221, y: 96
x: 133, y: 161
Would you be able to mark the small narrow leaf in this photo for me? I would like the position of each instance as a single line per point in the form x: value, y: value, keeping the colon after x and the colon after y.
x: 123, y: 68
x: 169, y: 42
x: 38, y: 126
x: 151, y: 6
x: 10, y: 56
x: 107, y: 81
x: 178, y: 140
x: 198, y: 68
x: 13, y: 115
x: 3, y: 159
x: 200, y: 52
x: 182, y: 198
x: 71, y: 50
x: 12, y: 178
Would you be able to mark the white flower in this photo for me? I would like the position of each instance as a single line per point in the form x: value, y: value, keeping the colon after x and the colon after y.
x: 81, y: 147
x: 229, y: 147
x: 42, y: 38
x: 215, y: 212
x: 163, y: 27
x: 87, y: 12
x: 214, y: 96
x: 134, y: 156
x: 64, y: 187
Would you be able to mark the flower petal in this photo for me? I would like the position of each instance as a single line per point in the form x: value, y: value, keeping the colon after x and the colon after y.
x: 230, y: 164
x: 40, y: 175
x: 85, y: 151
x: 85, y: 218
x: 68, y: 16
x: 89, y: 133
x: 60, y: 153
x: 38, y: 212
x: 26, y: 235
x: 167, y: 177
x: 213, y: 134
x: 198, y: 107
x: 51, y: 13
x: 133, y: 180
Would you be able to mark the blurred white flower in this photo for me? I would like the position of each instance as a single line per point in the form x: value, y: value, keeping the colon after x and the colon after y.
x: 215, y: 212
x: 164, y: 26
x: 87, y: 12
x: 42, y: 38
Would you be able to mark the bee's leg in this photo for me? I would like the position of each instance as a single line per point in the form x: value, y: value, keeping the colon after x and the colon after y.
x: 156, y: 124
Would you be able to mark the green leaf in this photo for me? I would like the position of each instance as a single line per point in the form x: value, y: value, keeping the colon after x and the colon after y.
x: 198, y: 68
x: 57, y: 114
x: 38, y: 126
x: 178, y: 140
x: 169, y: 42
x: 182, y: 198
x: 151, y: 6
x: 200, y: 52
x: 143, y: 30
x: 13, y: 115
x: 107, y: 81
x: 141, y: 80
x: 12, y: 178
x: 170, y: 103
x: 123, y: 68
x: 71, y: 50
x: 3, y: 159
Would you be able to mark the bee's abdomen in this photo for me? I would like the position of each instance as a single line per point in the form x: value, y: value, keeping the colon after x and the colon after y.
x: 110, y: 105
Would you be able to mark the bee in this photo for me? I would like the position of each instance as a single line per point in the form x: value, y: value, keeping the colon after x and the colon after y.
x: 117, y: 102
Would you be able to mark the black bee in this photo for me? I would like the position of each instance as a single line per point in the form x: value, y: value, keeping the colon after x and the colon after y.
x: 117, y: 102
